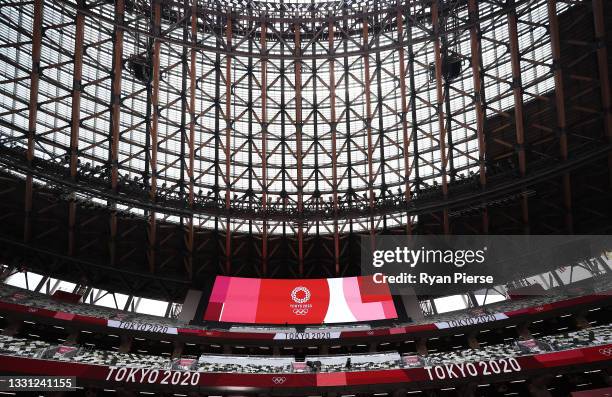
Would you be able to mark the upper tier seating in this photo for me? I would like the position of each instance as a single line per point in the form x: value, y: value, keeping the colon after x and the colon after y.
x: 43, y: 301
x: 266, y: 364
x: 585, y: 337
x: 8, y: 294
x: 358, y: 362
x: 21, y: 347
x: 247, y: 364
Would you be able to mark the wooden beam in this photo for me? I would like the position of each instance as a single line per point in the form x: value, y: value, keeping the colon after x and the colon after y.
x: 404, y: 115
x: 153, y: 130
x: 115, y: 119
x: 32, y: 114
x: 75, y: 120
x: 264, y: 146
x: 298, y: 144
x: 435, y: 21
x: 604, y: 77
x: 368, y: 108
x: 517, y: 91
x: 560, y: 112
x: 228, y: 135
x: 478, y: 103
x: 190, y: 236
x: 333, y: 120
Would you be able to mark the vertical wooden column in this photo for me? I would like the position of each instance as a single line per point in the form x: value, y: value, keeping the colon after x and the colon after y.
x: 560, y: 111
x: 298, y: 143
x: 115, y: 121
x: 228, y: 135
x: 368, y: 105
x: 478, y: 102
x: 517, y: 89
x: 32, y: 114
x: 414, y: 130
x: 404, y: 114
x: 435, y: 21
x: 153, y: 131
x: 382, y: 166
x: 333, y: 120
x: 347, y: 122
x: 77, y: 84
x: 604, y: 77
x: 264, y: 147
x: 192, y: 124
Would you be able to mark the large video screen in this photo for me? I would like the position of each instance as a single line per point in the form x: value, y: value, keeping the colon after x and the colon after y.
x: 312, y: 301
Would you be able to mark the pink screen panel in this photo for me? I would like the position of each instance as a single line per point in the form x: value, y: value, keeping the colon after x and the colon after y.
x: 308, y: 301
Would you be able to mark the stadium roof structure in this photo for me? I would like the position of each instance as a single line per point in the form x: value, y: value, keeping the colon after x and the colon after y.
x: 149, y: 144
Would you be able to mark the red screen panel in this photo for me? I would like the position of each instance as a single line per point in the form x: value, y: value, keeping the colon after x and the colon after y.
x: 308, y: 301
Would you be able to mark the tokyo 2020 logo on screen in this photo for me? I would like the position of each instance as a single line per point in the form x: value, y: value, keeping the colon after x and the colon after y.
x: 300, y: 295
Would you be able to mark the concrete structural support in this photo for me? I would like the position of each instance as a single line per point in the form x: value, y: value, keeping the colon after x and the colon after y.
x: 538, y: 387
x: 473, y: 340
x: 523, y: 331
x: 177, y: 349
x: 421, y: 346
x: 125, y: 345
x: 13, y: 327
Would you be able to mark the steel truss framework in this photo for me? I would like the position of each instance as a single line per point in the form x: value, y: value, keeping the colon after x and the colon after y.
x: 263, y: 138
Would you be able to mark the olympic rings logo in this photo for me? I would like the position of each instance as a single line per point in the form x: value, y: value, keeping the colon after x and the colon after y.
x: 294, y: 294
x: 300, y: 312
x: 279, y: 380
x: 606, y: 351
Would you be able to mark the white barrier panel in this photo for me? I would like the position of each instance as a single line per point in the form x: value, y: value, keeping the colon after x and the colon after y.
x: 473, y: 369
x: 319, y: 335
x: 462, y: 322
x: 260, y: 330
x: 348, y: 328
x: 145, y: 327
x: 356, y: 358
x: 246, y: 360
